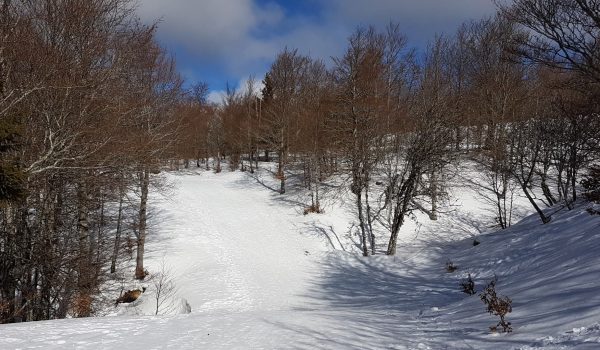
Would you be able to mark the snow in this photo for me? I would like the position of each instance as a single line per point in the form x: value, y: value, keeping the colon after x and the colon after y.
x: 233, y: 249
x: 260, y: 275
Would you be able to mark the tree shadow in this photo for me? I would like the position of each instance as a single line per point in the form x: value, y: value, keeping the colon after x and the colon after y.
x: 295, y: 193
x: 383, y: 302
x: 256, y: 176
x: 317, y: 229
x: 381, y: 283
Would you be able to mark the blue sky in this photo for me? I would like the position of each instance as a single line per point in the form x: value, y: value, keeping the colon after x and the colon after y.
x: 220, y: 41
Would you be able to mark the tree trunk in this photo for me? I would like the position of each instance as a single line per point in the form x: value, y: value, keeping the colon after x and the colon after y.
x: 547, y: 192
x: 361, y: 219
x: 398, y: 222
x: 100, y: 238
x: 140, y: 273
x: 113, y: 263
x: 256, y: 159
x: 251, y: 161
x: 405, y: 196
x: 218, y: 168
x: 280, y: 172
x: 545, y: 219
x: 370, y: 224
x: 84, y: 281
x: 433, y: 215
x: 574, y: 185
x: 501, y: 213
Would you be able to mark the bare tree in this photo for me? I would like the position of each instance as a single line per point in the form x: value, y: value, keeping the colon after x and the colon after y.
x: 312, y: 131
x: 281, y: 106
x: 560, y: 33
x: 165, y: 291
x: 74, y: 84
x: 357, y: 119
x: 370, y: 81
x: 421, y: 143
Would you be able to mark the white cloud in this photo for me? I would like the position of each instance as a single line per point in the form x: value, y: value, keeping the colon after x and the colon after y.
x: 211, y: 28
x: 217, y: 96
x: 421, y: 20
x: 257, y: 85
x: 242, y: 37
x: 425, y: 11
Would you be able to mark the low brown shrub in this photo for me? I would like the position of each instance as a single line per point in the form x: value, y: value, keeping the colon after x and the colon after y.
x: 497, y: 305
x: 313, y: 209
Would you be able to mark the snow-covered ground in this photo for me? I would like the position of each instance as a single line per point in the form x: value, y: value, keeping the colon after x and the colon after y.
x: 258, y: 274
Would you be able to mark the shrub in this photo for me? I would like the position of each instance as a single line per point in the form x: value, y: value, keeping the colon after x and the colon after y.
x: 591, y: 184
x: 497, y: 305
x: 468, y: 286
x: 81, y: 305
x: 313, y: 209
x: 593, y: 211
x: 450, y: 267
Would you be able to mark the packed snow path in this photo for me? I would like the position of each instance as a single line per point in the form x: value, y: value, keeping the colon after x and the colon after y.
x: 232, y: 247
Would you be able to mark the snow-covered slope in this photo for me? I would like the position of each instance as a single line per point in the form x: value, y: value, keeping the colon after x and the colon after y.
x: 260, y: 275
x: 230, y: 246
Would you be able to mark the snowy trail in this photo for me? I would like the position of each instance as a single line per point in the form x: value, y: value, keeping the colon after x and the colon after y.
x: 231, y: 248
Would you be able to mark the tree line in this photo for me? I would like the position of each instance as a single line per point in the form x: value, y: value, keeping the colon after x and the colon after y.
x: 515, y: 95
x: 92, y: 108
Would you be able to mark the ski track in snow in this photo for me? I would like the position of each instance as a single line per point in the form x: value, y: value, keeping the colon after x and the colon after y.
x: 259, y: 255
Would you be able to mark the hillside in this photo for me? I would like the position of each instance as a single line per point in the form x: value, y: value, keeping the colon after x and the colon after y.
x: 258, y: 274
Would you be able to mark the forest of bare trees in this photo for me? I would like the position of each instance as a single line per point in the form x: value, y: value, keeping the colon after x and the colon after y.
x: 514, y: 95
x: 92, y: 109
x: 87, y: 113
